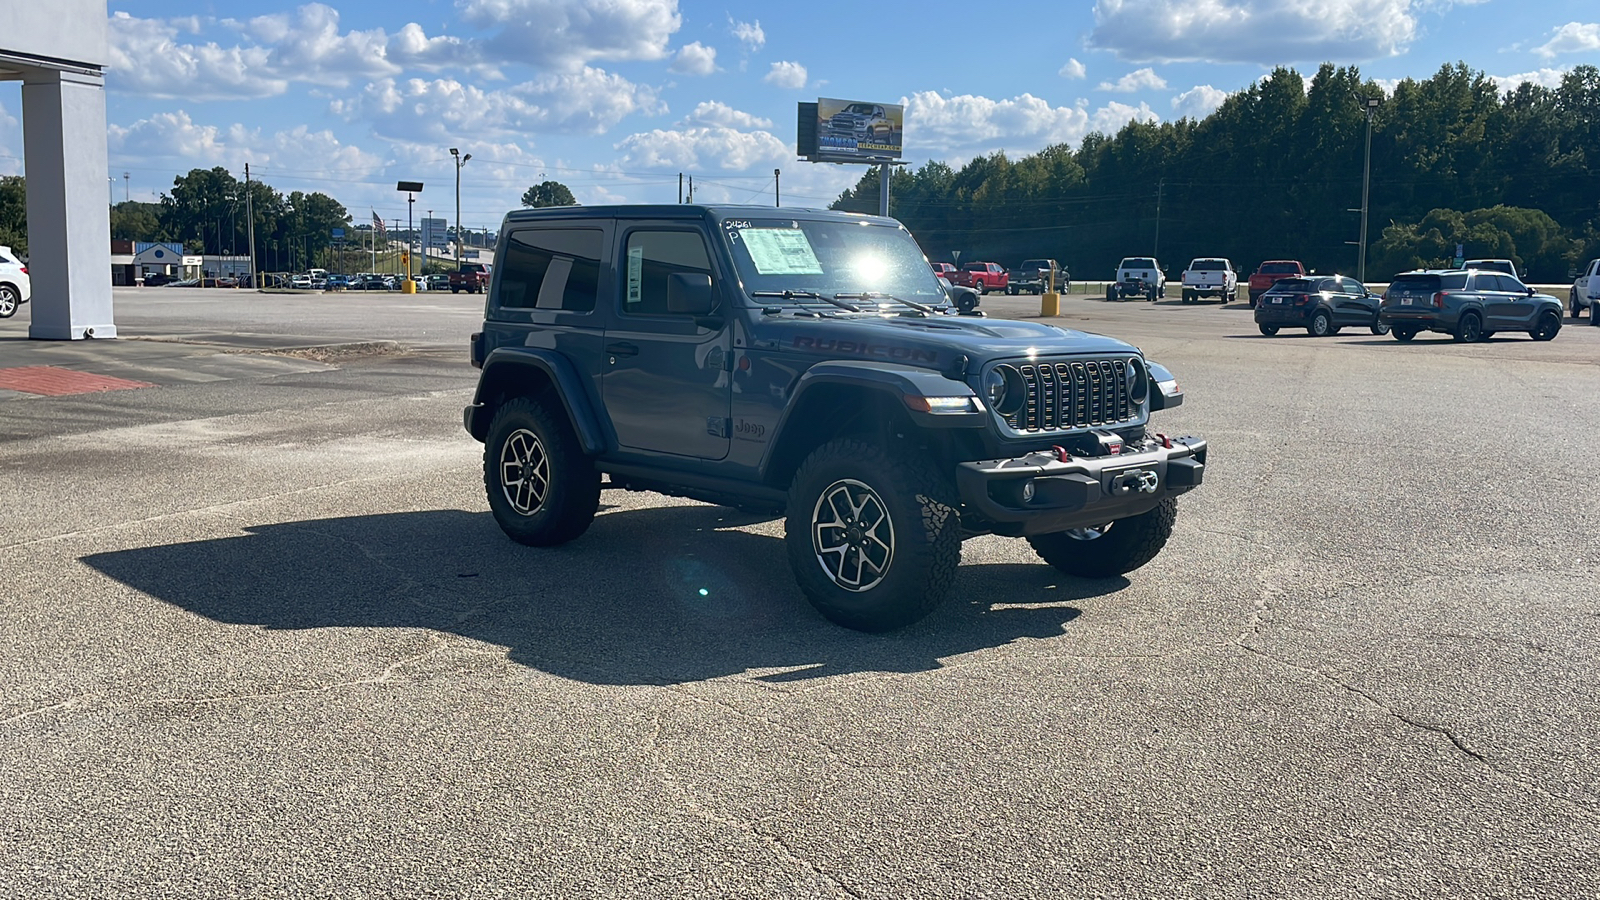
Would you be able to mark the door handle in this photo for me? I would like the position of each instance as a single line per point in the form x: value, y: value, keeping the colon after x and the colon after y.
x: 622, y: 348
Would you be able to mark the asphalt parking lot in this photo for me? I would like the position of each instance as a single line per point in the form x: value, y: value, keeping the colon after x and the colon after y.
x: 263, y: 638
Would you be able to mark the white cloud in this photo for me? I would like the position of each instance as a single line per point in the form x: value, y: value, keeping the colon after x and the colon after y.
x: 695, y: 59
x: 10, y: 143
x: 1549, y: 78
x: 1573, y: 37
x: 790, y: 75
x: 569, y: 33
x: 175, y: 137
x: 145, y: 58
x: 748, y: 33
x: 1255, y: 31
x: 966, y: 125
x: 1137, y: 80
x: 717, y: 113
x: 588, y: 101
x: 703, y: 147
x: 1073, y: 69
x: 1198, y: 102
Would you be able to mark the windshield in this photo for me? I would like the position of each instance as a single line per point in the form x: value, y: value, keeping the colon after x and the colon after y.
x: 829, y: 256
x: 1207, y: 265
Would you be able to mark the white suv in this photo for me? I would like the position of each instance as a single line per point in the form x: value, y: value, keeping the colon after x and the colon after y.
x: 15, y: 288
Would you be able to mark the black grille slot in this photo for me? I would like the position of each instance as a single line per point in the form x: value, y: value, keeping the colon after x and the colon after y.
x: 1067, y: 396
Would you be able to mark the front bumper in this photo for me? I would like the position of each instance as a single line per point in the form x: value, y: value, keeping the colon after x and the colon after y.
x: 1077, y: 492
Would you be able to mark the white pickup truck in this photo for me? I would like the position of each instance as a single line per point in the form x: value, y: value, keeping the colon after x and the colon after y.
x: 1586, y: 291
x: 1209, y: 276
x: 1138, y: 276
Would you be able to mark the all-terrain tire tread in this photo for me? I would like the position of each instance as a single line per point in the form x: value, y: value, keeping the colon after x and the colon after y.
x: 577, y: 498
x: 1141, y: 539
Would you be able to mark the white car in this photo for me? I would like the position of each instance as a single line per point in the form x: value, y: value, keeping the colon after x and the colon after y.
x: 301, y: 282
x: 15, y: 286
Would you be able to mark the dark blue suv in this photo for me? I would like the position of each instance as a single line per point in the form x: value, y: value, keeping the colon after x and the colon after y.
x: 808, y: 363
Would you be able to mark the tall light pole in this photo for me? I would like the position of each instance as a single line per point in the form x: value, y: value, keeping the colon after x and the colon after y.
x: 460, y: 161
x: 411, y: 189
x: 1372, y: 104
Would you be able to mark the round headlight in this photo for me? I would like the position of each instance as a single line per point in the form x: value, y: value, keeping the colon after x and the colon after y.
x: 1012, y: 391
x: 1138, y: 381
x: 994, y: 387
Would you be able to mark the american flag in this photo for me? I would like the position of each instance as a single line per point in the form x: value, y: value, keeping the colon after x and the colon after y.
x: 377, y: 224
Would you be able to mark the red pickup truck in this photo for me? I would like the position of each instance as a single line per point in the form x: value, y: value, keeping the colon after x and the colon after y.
x: 982, y: 277
x: 471, y: 277
x: 1270, y: 273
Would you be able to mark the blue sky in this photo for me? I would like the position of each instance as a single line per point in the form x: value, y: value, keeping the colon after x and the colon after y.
x: 615, y: 97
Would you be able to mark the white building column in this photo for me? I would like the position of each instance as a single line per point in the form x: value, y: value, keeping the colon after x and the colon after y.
x: 69, y: 219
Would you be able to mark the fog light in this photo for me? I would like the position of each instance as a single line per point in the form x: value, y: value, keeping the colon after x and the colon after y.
x: 1027, y: 491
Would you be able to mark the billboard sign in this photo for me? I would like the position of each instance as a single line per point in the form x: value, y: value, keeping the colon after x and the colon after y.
x: 853, y: 131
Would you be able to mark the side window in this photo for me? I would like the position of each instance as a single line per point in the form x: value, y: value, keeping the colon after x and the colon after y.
x: 1329, y: 284
x: 1352, y: 286
x: 652, y: 257
x: 551, y: 268
x: 1510, y: 284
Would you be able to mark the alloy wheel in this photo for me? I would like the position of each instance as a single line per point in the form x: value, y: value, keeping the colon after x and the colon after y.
x: 524, y: 471
x: 852, y: 535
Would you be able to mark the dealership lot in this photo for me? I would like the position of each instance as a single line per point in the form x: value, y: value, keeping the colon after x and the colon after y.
x: 263, y: 638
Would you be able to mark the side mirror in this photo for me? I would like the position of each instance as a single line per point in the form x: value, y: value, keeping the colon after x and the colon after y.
x: 689, y: 294
x: 1530, y: 291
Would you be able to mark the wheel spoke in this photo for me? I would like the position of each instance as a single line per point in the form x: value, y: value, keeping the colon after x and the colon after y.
x: 524, y: 472
x: 852, y: 535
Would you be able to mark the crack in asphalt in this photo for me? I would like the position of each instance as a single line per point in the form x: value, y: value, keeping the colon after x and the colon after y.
x: 770, y: 840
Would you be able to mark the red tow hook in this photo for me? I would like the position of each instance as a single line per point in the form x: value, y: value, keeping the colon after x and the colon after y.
x: 1061, y: 453
x: 1165, y: 441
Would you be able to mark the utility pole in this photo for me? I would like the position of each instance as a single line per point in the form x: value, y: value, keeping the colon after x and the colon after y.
x: 680, y: 187
x: 777, y: 189
x: 1156, y: 252
x: 126, y: 187
x: 691, y: 188
x: 1366, y: 184
x: 250, y: 223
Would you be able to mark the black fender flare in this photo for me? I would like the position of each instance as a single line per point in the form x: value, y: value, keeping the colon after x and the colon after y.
x: 505, y: 362
x: 902, y: 383
x: 1160, y: 396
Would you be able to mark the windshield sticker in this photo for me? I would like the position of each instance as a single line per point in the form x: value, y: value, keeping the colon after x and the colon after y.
x: 781, y: 251
x: 635, y: 274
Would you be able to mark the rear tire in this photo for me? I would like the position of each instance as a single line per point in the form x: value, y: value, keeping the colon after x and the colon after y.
x: 1321, y: 324
x: 978, y: 286
x: 542, y: 489
x: 1470, y: 329
x: 1548, y: 326
x: 1268, y: 330
x: 10, y: 299
x: 1402, y: 333
x: 1116, y: 549
x: 874, y: 538
x: 1380, y: 328
x: 1110, y: 292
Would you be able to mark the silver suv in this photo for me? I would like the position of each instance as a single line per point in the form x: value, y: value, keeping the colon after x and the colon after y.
x: 1468, y: 304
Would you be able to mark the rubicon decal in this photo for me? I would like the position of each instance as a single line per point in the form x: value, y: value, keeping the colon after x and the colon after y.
x: 858, y: 348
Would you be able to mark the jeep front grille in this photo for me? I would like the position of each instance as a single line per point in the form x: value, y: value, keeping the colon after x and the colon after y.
x: 1065, y: 396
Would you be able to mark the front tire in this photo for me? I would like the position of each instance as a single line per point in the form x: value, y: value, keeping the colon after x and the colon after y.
x: 1380, y: 328
x: 874, y: 538
x: 1548, y: 326
x: 1114, y: 549
x: 542, y: 489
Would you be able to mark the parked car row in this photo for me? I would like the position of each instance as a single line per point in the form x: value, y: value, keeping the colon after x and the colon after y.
x: 1467, y: 304
x: 15, y: 286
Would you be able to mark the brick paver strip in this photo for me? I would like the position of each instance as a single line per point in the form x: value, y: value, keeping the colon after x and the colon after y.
x: 54, y: 382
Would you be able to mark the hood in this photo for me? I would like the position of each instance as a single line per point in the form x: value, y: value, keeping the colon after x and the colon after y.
x: 932, y: 342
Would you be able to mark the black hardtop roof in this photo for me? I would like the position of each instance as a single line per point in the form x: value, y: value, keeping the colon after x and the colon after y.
x: 680, y: 211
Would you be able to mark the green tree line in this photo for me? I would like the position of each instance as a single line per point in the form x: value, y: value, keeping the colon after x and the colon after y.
x: 1274, y: 173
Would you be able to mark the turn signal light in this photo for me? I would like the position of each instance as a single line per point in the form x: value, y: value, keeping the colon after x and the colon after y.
x: 1438, y: 299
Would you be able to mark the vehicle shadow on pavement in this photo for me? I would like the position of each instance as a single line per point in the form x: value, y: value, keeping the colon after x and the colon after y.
x: 664, y: 595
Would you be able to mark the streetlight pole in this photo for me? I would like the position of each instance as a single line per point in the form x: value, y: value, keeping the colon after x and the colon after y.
x: 460, y: 161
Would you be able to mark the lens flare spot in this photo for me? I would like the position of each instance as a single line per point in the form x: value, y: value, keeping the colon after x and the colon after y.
x: 704, y: 592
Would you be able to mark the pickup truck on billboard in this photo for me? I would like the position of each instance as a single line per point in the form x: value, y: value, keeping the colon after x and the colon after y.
x: 856, y: 129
